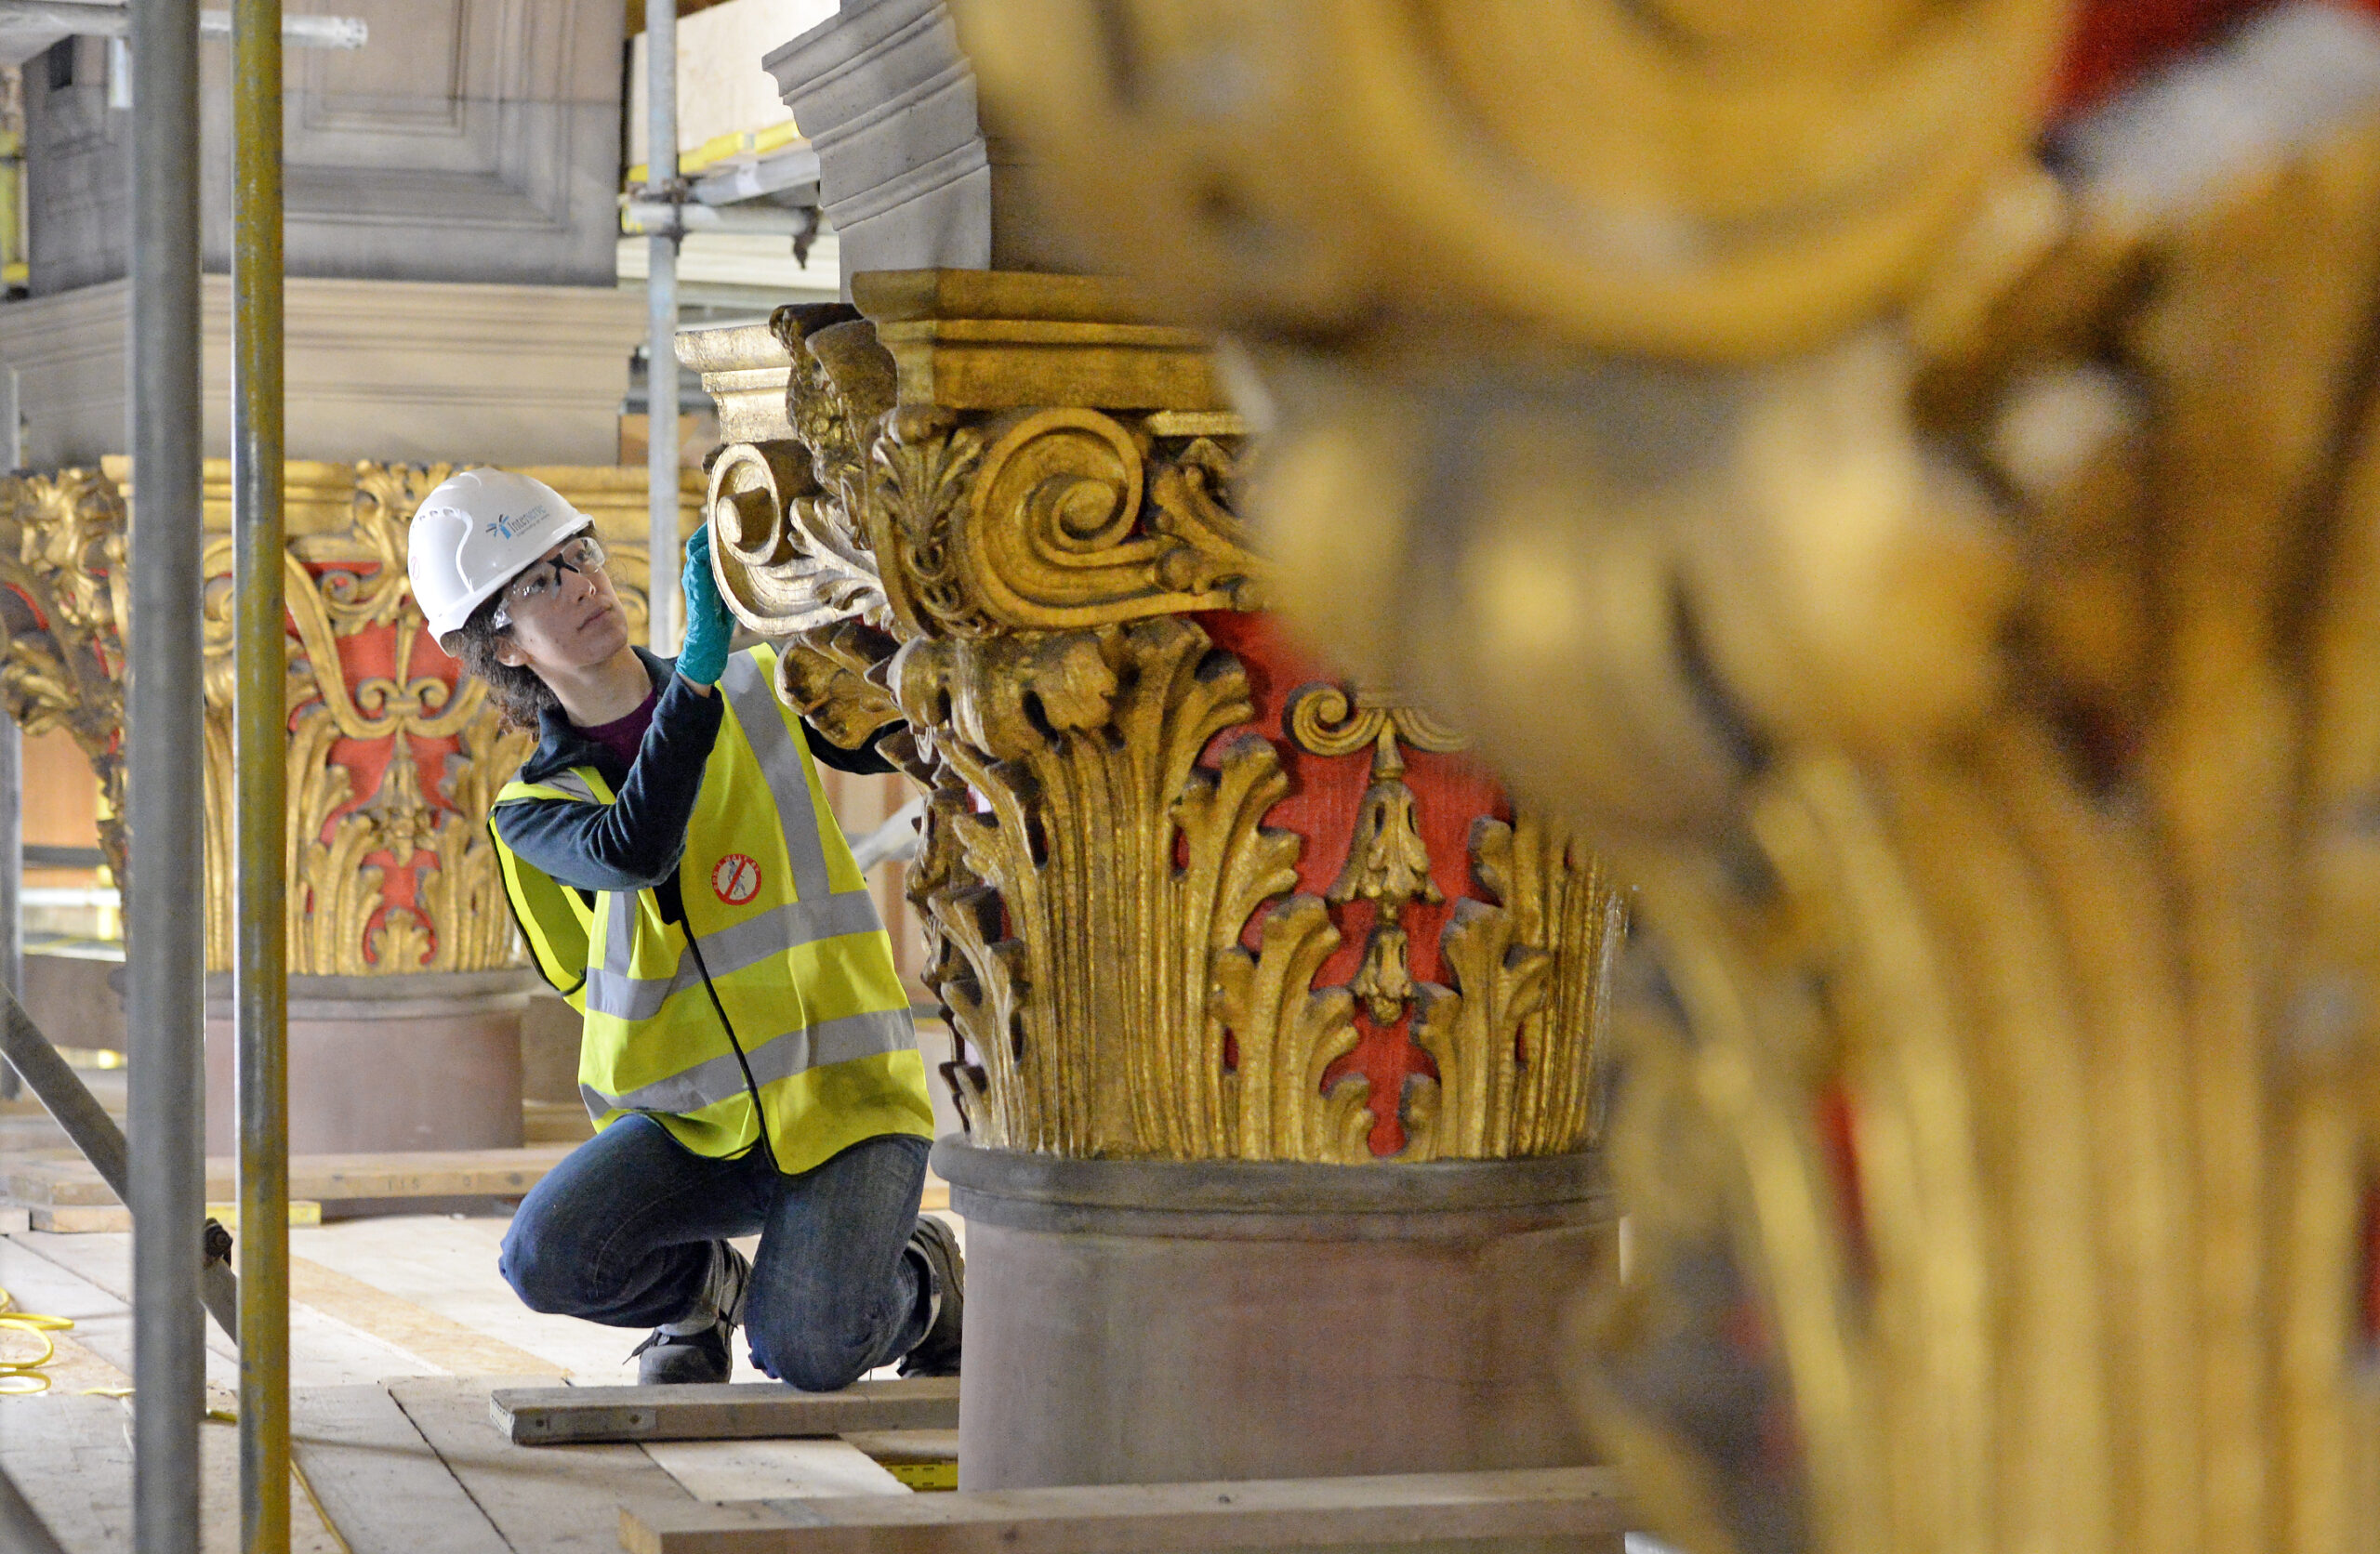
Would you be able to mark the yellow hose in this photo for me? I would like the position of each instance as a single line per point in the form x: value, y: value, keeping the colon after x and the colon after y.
x: 23, y: 1378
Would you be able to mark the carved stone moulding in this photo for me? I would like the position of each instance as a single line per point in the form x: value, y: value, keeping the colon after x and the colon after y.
x: 1285, y: 1321
x: 907, y: 176
x: 491, y: 155
x: 1193, y: 896
x: 397, y: 372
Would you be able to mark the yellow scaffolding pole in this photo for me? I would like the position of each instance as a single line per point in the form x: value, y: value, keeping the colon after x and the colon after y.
x: 261, y: 737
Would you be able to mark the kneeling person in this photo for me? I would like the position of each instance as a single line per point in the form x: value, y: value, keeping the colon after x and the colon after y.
x: 747, y: 1053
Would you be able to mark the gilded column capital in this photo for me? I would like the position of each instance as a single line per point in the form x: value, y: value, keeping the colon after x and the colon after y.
x: 1003, y: 518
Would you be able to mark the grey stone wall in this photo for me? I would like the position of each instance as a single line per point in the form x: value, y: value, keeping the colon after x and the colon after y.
x: 470, y: 140
x: 78, y: 187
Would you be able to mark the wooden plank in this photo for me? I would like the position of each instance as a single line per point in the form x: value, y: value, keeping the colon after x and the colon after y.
x: 78, y: 1219
x: 104, y: 1262
x: 93, y: 1218
x: 770, y: 1469
x: 542, y: 1500
x: 324, y: 1349
x: 72, y: 1459
x: 1582, y: 1502
x: 219, y: 1500
x: 726, y: 1411
x: 434, y: 1339
x: 378, y: 1482
x: 319, y: 1178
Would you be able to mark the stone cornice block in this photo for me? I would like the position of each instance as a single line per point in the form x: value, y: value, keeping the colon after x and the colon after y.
x: 1000, y: 340
x: 888, y: 101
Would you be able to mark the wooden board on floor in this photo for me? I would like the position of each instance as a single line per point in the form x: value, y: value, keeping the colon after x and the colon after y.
x: 541, y: 1500
x: 328, y: 1346
x: 92, y: 1219
x: 435, y: 1339
x: 70, y: 1458
x: 64, y: 1183
x: 377, y: 1480
x: 74, y: 1465
x: 63, y: 1195
x: 1153, y: 1519
x: 772, y: 1470
x: 727, y: 1411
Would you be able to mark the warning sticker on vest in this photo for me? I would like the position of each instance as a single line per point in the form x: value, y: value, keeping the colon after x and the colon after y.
x: 737, y: 879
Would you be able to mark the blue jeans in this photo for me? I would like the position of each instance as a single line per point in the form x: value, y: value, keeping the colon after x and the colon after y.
x: 620, y: 1233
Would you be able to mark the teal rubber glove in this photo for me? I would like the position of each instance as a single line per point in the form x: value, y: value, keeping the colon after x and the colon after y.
x: 708, y: 626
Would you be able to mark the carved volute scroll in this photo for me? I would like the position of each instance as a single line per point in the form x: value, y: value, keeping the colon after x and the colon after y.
x: 1002, y: 520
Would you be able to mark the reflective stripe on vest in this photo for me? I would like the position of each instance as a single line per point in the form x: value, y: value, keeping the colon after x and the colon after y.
x: 832, y: 1041
x: 725, y: 950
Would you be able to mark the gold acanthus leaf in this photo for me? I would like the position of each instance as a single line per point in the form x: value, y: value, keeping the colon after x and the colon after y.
x: 1514, y: 1041
x: 927, y: 460
x: 1473, y: 1032
x: 1090, y: 903
x: 1210, y: 551
x: 832, y: 677
x: 1290, y: 1034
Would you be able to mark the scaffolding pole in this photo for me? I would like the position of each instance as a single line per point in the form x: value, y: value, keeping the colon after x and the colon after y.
x: 12, y: 873
x: 260, y: 743
x: 12, y: 745
x: 661, y: 306
x: 165, y: 717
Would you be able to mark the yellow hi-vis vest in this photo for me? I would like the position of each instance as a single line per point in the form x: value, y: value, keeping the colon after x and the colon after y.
x: 783, y: 921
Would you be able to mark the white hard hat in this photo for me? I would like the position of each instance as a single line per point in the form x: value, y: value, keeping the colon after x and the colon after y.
x: 475, y: 533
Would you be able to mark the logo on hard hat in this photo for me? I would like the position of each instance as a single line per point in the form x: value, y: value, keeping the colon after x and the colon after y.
x: 737, y: 879
x: 506, y: 527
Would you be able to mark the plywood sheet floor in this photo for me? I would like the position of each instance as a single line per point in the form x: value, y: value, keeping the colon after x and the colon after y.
x: 399, y: 1326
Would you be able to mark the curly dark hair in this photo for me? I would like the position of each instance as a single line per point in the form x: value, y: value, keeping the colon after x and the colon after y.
x: 515, y: 688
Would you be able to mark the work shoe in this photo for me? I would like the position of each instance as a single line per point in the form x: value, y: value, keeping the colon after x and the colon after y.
x: 937, y: 1352
x: 696, y: 1348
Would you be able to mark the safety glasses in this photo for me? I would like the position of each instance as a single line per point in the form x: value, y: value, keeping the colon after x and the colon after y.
x: 540, y: 582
